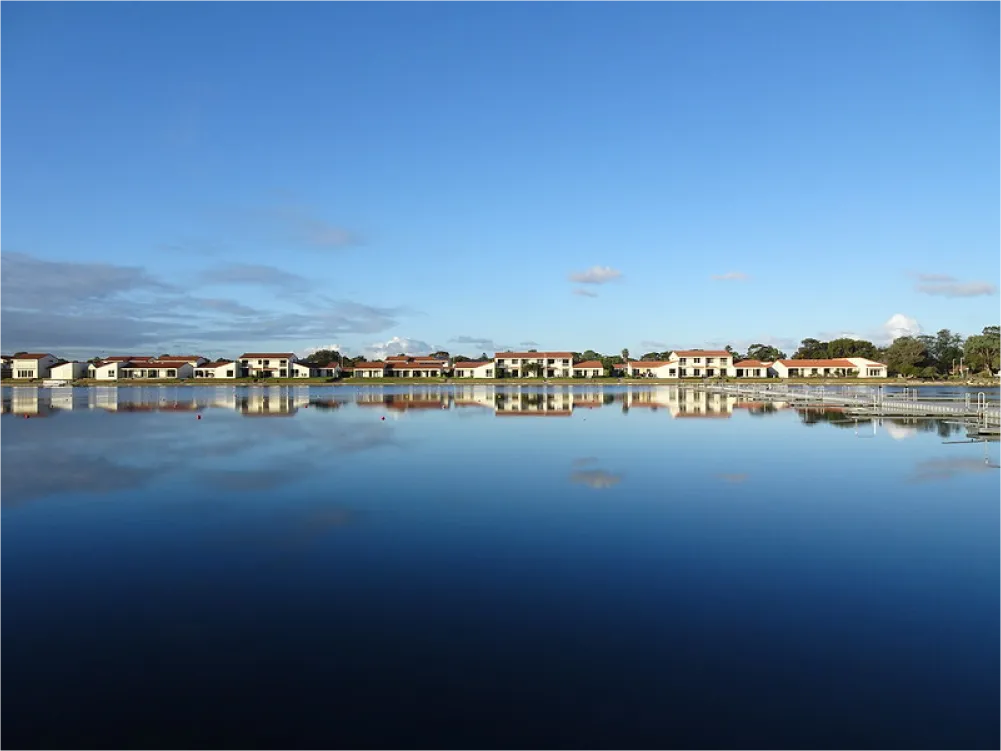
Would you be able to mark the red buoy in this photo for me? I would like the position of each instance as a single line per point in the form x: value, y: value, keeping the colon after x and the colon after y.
x: 199, y: 417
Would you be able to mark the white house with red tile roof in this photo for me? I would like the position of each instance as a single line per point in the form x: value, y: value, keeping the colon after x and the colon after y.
x: 843, y: 367
x: 701, y: 363
x: 315, y: 370
x: 417, y: 369
x: 375, y: 369
x: 217, y: 369
x: 750, y: 369
x: 473, y: 369
x: 550, y: 364
x: 652, y: 369
x: 267, y: 364
x: 550, y: 403
x: 157, y: 369
x: 589, y: 369
x: 28, y: 365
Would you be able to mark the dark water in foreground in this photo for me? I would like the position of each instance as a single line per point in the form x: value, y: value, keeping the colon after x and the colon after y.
x: 647, y: 568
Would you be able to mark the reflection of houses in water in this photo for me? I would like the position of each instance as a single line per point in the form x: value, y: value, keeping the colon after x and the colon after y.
x: 262, y: 402
x: 416, y: 398
x: 27, y: 401
x: 473, y: 396
x: 680, y: 402
x: 548, y: 403
x: 757, y: 408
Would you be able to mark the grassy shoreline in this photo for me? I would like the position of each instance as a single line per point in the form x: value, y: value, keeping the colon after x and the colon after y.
x: 381, y: 382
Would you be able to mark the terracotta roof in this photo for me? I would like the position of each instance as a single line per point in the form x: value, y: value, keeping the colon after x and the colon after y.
x: 651, y: 363
x: 370, y: 365
x: 127, y: 358
x: 161, y: 364
x: 839, y: 363
x: 701, y: 352
x: 525, y: 355
x: 216, y: 364
x: 589, y: 364
x: 751, y: 364
x: 472, y: 364
x: 267, y: 355
x: 398, y: 358
x: 703, y: 414
x: 416, y: 366
x: 31, y: 357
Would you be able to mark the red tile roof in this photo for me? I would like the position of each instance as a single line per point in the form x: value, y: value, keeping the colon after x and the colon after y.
x: 126, y: 358
x: 532, y: 355
x: 650, y: 363
x: 31, y: 356
x: 589, y: 364
x: 472, y: 364
x: 838, y: 363
x: 216, y: 364
x: 416, y: 366
x: 751, y: 364
x: 370, y: 365
x: 267, y: 355
x: 701, y: 353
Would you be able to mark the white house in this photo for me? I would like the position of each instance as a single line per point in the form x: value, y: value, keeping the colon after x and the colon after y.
x: 69, y: 371
x: 417, y: 369
x: 473, y: 369
x: 5, y: 363
x: 27, y: 365
x: 750, y: 369
x: 217, y: 369
x: 652, y: 369
x: 370, y: 369
x: 267, y: 364
x: 531, y: 364
x: 701, y: 363
x: 868, y: 368
x: 106, y: 370
x: 157, y: 369
x: 589, y: 369
x: 844, y: 367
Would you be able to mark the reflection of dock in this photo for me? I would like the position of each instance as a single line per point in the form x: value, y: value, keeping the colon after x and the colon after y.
x: 872, y: 401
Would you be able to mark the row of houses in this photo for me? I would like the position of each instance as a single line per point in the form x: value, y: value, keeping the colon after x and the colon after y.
x: 696, y: 363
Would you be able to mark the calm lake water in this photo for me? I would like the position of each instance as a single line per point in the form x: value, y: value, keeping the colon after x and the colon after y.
x: 418, y: 567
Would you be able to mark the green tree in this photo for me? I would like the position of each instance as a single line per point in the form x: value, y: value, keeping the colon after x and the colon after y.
x: 651, y: 356
x: 737, y: 357
x: 590, y: 354
x: 532, y: 369
x: 440, y: 355
x: 765, y: 353
x: 848, y: 347
x: 946, y: 351
x: 625, y: 354
x: 906, y: 356
x: 811, y: 349
x: 323, y: 356
x: 982, y: 350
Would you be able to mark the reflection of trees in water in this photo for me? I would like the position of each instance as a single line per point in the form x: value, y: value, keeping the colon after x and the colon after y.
x: 758, y: 410
x: 839, y: 419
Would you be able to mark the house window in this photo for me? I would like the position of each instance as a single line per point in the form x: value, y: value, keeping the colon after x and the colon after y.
x: 698, y: 360
x: 709, y: 360
x: 171, y: 374
x: 284, y: 362
x: 684, y: 361
x: 25, y: 374
x: 490, y: 374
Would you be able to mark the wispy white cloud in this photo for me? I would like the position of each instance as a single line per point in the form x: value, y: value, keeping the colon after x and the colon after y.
x: 596, y: 275
x: 731, y: 276
x: 957, y: 289
x: 921, y: 277
x: 584, y: 292
x: 528, y: 343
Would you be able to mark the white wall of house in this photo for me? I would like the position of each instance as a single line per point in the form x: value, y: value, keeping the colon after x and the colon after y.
x: 868, y: 368
x: 226, y: 370
x: 32, y: 368
x: 589, y: 372
x: 369, y: 372
x: 463, y: 370
x: 701, y: 364
x: 652, y: 369
x: 753, y: 370
x: 278, y: 365
x: 69, y: 371
x: 109, y: 371
x: 551, y: 367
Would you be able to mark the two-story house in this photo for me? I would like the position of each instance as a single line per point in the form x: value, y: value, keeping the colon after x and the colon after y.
x: 702, y: 363
x: 26, y: 365
x: 534, y: 364
x: 266, y: 364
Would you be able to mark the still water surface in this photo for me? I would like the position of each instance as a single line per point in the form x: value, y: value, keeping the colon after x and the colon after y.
x: 491, y: 567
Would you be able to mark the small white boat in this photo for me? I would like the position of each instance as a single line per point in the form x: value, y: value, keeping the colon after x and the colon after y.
x: 54, y: 383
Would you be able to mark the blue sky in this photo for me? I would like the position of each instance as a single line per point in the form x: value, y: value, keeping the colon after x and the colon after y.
x: 229, y: 176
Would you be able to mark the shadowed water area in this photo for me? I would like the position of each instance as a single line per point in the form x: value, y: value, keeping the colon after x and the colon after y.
x: 491, y: 567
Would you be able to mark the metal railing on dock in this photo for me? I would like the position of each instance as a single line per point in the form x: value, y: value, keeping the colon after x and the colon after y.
x: 868, y: 400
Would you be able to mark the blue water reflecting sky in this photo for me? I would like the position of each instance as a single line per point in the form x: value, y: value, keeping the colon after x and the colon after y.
x: 485, y: 567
